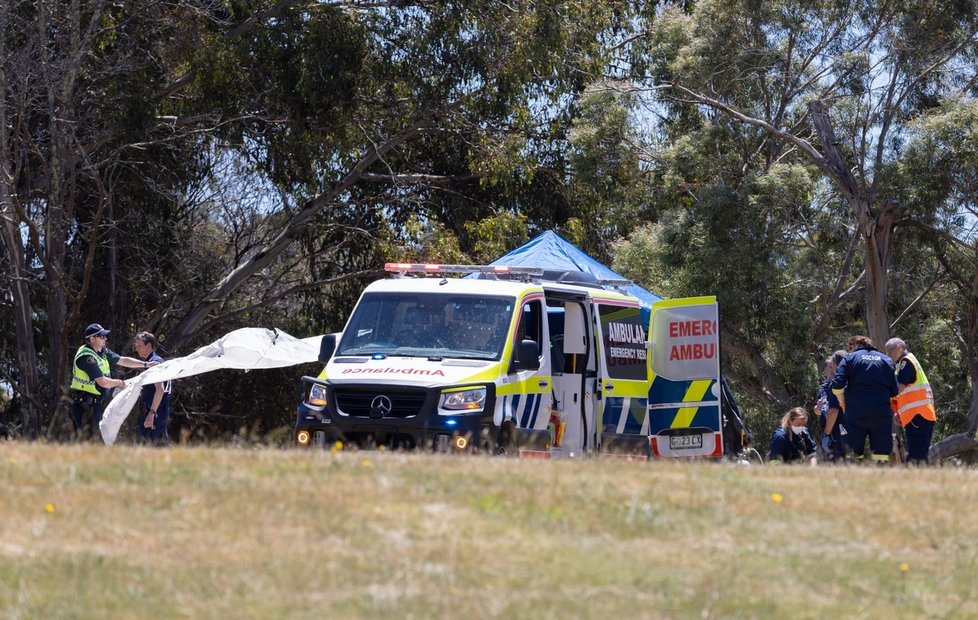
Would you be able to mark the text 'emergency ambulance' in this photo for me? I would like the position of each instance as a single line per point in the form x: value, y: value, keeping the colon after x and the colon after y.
x: 692, y: 351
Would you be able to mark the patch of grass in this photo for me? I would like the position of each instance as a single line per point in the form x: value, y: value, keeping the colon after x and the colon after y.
x: 213, y: 532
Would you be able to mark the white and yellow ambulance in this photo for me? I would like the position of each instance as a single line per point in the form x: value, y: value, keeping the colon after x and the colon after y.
x: 518, y: 361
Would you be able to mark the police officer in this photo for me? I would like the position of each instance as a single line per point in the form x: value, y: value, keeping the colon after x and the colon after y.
x: 915, y: 410
x: 864, y: 383
x: 91, y: 378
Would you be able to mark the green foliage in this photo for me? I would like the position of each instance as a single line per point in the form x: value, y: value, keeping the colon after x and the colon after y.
x: 191, y: 135
x: 745, y: 212
x: 940, y: 170
x: 608, y: 184
x: 494, y: 236
x: 287, y: 88
x: 425, y: 242
x: 729, y: 227
x: 940, y: 162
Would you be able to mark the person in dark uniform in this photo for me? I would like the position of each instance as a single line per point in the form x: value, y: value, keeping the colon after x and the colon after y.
x: 91, y: 379
x: 830, y: 414
x: 154, y: 399
x: 791, y: 442
x: 915, y: 402
x: 864, y: 383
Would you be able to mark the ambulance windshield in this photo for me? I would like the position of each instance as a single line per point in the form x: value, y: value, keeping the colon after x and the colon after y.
x: 428, y: 325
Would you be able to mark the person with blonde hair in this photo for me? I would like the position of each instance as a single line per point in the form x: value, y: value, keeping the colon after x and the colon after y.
x: 791, y: 441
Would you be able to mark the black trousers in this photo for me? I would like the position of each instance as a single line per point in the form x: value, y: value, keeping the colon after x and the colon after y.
x: 86, y: 413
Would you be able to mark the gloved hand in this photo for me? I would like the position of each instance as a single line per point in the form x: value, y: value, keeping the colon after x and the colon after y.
x: 827, y: 443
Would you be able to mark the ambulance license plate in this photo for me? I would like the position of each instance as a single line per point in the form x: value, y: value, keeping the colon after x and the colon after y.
x: 685, y: 442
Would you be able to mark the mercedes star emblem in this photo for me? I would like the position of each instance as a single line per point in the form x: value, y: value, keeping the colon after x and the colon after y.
x: 380, y: 406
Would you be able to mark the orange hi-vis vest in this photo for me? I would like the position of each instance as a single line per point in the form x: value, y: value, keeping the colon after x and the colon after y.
x: 917, y: 399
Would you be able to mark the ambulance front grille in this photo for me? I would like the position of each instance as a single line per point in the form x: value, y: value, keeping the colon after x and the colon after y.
x: 372, y: 403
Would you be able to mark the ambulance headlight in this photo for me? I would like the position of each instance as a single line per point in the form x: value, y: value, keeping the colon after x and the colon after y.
x: 317, y: 396
x: 471, y: 400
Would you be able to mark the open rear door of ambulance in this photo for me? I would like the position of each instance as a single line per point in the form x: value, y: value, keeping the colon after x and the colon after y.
x: 622, y: 379
x: 684, y: 364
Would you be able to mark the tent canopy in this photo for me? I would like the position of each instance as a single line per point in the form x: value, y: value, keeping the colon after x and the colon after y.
x: 552, y: 252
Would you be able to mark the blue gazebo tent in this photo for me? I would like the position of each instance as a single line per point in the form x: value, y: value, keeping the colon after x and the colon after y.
x: 552, y: 252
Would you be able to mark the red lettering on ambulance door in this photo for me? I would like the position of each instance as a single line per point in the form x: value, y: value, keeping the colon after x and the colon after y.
x: 696, y: 351
x: 685, y: 329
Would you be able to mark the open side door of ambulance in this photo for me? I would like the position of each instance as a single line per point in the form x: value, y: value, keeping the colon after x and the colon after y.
x: 574, y: 377
x: 526, y: 391
x: 684, y: 365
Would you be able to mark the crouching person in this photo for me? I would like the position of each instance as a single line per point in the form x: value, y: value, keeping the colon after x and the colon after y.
x: 791, y: 442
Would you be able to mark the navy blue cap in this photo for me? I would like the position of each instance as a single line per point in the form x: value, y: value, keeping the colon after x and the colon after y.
x: 96, y: 330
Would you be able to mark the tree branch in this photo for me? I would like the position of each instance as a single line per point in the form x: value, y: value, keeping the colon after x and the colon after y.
x: 802, y: 144
x: 823, y: 323
x: 217, y: 320
x: 289, y: 233
x: 937, y: 278
x: 418, y: 179
x: 835, y: 163
x: 269, y: 13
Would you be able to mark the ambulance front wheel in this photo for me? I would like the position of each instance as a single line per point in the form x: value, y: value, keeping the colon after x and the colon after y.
x: 506, y: 440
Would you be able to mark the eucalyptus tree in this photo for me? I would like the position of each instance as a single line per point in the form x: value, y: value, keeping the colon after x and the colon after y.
x: 757, y: 237
x: 941, y: 168
x: 608, y: 182
x: 454, y: 111
x: 185, y: 165
x: 832, y: 82
x: 777, y: 130
x: 75, y: 79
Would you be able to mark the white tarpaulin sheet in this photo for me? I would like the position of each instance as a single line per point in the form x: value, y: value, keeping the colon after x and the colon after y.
x: 245, y: 349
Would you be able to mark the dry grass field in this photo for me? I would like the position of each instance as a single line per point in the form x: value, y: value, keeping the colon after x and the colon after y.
x: 91, y: 532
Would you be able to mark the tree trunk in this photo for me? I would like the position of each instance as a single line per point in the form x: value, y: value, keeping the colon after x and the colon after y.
x: 54, y: 242
x: 28, y: 384
x: 876, y: 229
x: 972, y: 327
x: 26, y: 381
x: 877, y: 256
x: 952, y: 445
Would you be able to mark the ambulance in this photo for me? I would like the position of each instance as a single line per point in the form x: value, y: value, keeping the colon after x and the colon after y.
x: 520, y: 361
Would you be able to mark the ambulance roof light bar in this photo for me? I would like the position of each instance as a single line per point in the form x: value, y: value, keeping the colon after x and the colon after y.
x: 402, y: 269
x: 615, y: 282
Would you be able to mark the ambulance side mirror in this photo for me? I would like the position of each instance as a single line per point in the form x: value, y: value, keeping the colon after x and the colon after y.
x: 529, y: 356
x: 326, y: 348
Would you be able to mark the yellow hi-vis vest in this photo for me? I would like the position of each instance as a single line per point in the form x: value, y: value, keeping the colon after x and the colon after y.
x: 79, y: 378
x: 917, y: 399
